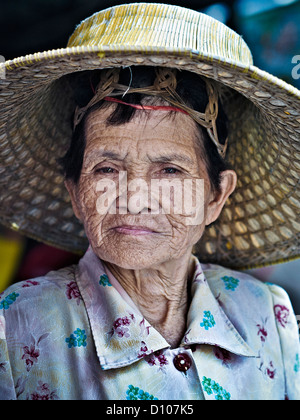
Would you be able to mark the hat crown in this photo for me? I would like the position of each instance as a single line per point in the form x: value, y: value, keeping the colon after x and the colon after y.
x: 159, y: 26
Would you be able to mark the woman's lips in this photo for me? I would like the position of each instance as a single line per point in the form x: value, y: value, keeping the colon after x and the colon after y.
x: 133, y: 230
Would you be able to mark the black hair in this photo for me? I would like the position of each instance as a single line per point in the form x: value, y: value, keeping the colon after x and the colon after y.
x: 190, y: 87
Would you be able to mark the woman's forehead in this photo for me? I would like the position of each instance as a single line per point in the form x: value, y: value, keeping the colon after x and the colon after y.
x: 156, y: 127
x: 156, y: 156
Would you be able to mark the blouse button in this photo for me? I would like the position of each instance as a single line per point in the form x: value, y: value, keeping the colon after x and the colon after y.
x: 182, y: 362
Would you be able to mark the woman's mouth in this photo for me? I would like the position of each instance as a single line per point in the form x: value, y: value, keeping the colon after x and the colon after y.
x: 133, y: 230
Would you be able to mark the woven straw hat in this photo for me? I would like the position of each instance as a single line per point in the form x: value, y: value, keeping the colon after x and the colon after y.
x: 260, y: 223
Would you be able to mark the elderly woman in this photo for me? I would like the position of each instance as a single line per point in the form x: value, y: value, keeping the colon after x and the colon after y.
x: 140, y: 317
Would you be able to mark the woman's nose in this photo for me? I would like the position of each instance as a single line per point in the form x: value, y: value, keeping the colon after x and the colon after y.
x: 135, y: 197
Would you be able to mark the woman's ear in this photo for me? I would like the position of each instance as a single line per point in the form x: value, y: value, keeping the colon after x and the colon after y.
x: 227, y: 186
x: 72, y: 189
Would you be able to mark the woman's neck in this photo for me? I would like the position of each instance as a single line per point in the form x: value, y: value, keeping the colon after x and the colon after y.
x: 161, y: 294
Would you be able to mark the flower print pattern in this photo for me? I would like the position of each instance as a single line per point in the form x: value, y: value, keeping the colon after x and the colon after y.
x: 157, y: 359
x: 30, y: 283
x: 262, y: 332
x: 135, y: 393
x: 122, y: 332
x: 43, y: 393
x: 104, y: 280
x: 267, y: 368
x: 121, y: 326
x: 77, y: 339
x: 208, y: 321
x: 297, y: 364
x: 144, y: 350
x: 211, y: 387
x: 271, y: 371
x: 281, y: 314
x: 30, y: 356
x: 144, y: 330
x: 21, y: 385
x: 31, y: 352
x: 72, y: 292
x: 223, y: 355
x: 9, y: 300
x: 81, y: 337
x: 230, y: 283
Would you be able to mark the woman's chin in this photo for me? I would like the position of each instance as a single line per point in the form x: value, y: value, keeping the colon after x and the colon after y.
x: 133, y: 259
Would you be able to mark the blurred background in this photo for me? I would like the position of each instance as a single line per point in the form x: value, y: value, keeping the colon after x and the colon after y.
x: 270, y: 27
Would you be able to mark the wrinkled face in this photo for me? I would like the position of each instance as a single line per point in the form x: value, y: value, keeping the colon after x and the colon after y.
x: 144, y: 195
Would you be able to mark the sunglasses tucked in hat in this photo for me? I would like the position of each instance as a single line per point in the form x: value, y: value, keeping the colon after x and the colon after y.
x: 260, y: 223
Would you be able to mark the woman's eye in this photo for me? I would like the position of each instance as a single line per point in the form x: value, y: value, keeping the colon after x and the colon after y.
x: 106, y: 170
x: 171, y: 171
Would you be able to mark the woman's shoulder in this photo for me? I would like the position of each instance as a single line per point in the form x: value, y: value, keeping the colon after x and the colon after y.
x: 232, y: 282
x: 37, y: 290
x: 250, y: 302
x: 253, y: 305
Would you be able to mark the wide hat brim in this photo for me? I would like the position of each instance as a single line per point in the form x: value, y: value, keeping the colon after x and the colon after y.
x: 260, y: 222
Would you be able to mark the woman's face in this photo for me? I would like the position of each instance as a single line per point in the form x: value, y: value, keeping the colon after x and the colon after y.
x: 144, y: 194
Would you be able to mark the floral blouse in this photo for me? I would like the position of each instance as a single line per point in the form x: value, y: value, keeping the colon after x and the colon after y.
x: 76, y: 334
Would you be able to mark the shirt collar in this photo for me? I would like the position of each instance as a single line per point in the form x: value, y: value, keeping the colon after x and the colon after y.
x: 122, y: 335
x: 208, y: 323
